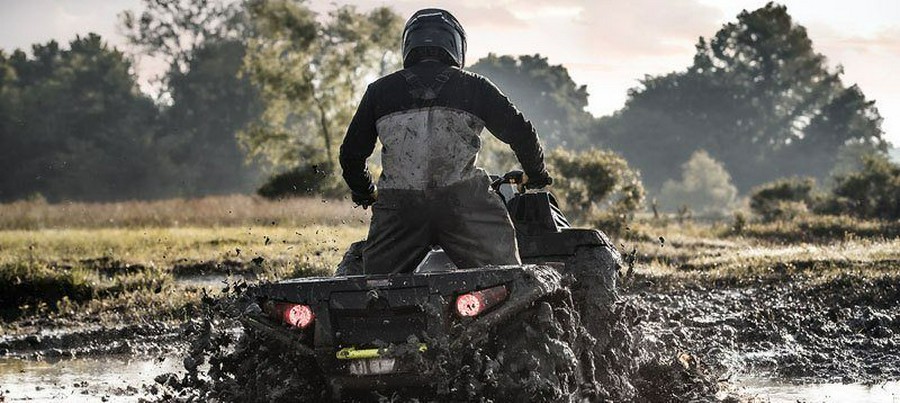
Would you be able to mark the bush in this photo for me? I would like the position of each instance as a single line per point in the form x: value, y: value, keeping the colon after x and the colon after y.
x: 821, y: 229
x: 705, y: 187
x: 496, y: 157
x: 591, y: 180
x: 873, y: 192
x: 303, y: 181
x: 783, y: 199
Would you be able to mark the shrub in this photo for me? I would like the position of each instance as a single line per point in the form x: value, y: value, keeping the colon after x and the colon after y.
x: 591, y: 180
x: 303, y: 181
x: 872, y: 192
x: 496, y: 157
x: 705, y: 187
x: 29, y: 283
x: 783, y: 199
x: 821, y: 229
x: 740, y: 222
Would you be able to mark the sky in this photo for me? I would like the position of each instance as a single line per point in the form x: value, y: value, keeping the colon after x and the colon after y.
x: 608, y: 45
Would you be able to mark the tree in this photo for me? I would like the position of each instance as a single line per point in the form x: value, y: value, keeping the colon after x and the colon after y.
x: 311, y: 75
x: 546, y: 95
x: 757, y: 97
x: 851, y: 158
x: 12, y: 143
x: 79, y: 128
x: 206, y: 102
x: 211, y: 104
x: 705, y: 187
x: 846, y: 128
x: 176, y: 29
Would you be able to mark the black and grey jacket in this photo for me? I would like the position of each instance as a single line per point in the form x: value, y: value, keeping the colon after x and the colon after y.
x: 429, y: 119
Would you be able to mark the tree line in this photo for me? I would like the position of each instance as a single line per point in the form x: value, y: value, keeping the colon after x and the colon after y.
x: 264, y: 89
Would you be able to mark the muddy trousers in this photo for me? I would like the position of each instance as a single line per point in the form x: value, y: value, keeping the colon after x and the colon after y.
x: 467, y: 219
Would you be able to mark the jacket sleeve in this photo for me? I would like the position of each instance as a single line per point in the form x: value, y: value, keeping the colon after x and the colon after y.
x: 508, y: 124
x: 359, y: 142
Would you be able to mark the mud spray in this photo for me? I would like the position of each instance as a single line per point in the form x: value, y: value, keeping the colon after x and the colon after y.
x: 581, y: 344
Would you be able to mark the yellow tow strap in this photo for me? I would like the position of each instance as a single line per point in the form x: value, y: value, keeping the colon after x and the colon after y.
x: 352, y: 353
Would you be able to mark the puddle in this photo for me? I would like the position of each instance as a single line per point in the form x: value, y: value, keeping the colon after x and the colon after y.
x: 780, y: 391
x: 112, y: 378
x: 212, y: 282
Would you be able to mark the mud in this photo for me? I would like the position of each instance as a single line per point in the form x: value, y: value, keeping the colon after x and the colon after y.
x: 108, y: 378
x: 804, y: 328
x: 578, y: 345
x: 779, y: 391
x: 148, y: 338
x: 665, y: 339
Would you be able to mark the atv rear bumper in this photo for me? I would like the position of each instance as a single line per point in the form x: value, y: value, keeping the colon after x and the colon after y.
x: 433, y: 297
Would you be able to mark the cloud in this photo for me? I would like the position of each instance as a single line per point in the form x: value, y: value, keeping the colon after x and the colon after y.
x: 477, y: 15
x: 886, y: 42
x: 38, y: 21
x: 645, y: 27
x: 869, y: 61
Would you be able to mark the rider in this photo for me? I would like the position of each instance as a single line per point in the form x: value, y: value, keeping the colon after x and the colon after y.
x: 429, y: 117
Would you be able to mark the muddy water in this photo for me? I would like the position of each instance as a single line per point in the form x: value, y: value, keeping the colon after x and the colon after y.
x: 781, y: 391
x: 121, y: 378
x: 777, y: 340
x: 114, y: 378
x: 212, y: 282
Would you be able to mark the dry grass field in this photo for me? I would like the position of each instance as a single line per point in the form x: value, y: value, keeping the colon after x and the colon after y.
x: 75, y: 260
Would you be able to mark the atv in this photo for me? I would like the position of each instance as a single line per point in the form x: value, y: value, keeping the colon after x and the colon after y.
x: 375, y: 333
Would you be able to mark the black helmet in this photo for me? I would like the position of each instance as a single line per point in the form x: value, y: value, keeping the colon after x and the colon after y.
x: 433, y: 27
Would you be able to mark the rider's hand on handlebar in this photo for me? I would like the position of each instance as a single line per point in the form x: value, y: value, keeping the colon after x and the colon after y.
x: 538, y: 181
x: 522, y: 181
x: 364, y: 200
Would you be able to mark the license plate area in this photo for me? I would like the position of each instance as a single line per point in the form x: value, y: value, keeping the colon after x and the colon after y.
x: 372, y: 366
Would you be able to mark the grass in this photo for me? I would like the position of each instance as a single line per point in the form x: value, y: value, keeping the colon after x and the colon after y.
x: 63, y: 261
x: 125, y: 261
x: 669, y: 253
x: 217, y: 211
x: 736, y: 260
x: 169, y: 247
x: 821, y: 229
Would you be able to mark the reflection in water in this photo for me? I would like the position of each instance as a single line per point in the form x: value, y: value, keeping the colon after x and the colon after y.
x: 778, y: 391
x: 118, y: 378
x: 123, y: 378
x: 212, y: 282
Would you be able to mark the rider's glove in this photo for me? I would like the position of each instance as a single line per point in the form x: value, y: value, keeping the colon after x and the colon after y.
x: 538, y: 181
x: 364, y: 200
x: 514, y: 177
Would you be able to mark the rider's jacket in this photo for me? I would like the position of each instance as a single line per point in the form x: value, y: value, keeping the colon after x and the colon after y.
x: 429, y: 118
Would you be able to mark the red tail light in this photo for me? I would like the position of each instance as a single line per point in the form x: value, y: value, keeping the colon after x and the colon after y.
x: 296, y: 315
x: 476, y: 302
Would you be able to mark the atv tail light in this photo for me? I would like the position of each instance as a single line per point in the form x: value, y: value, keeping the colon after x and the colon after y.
x: 296, y: 315
x: 476, y: 302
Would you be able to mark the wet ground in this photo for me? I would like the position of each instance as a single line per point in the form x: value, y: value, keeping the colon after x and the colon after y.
x: 778, y: 338
x: 128, y: 378
x: 781, y: 391
x: 113, y: 378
